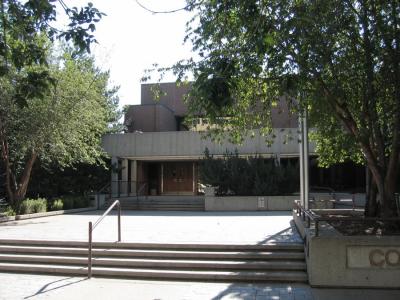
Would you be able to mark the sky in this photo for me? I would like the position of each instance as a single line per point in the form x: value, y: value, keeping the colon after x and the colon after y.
x: 131, y: 39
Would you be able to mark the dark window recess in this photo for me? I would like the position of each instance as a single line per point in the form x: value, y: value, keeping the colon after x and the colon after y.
x: 180, y: 126
x: 119, y: 170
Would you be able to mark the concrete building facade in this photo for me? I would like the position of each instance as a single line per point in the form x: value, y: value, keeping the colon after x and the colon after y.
x: 159, y: 154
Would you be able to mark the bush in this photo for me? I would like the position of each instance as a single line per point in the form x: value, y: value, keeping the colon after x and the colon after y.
x: 30, y: 206
x: 8, y: 211
x: 81, y: 202
x: 68, y: 202
x: 71, y: 202
x: 57, y: 204
x: 247, y: 177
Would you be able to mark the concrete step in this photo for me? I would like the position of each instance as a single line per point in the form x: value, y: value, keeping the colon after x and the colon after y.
x: 160, y: 198
x: 168, y: 203
x: 154, y: 208
x: 163, y: 203
x: 271, y: 262
x: 155, y: 263
x: 185, y: 246
x: 280, y: 276
x: 158, y: 253
x: 160, y: 204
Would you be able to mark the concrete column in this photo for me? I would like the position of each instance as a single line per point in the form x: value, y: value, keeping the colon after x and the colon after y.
x: 162, y: 179
x: 124, y: 179
x: 133, y: 182
x: 194, y: 178
x: 114, y: 176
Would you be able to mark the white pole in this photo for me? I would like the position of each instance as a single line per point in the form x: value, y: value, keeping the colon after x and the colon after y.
x: 301, y: 159
x: 306, y: 160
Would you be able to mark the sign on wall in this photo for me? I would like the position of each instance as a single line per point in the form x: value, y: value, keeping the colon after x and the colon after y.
x: 376, y: 257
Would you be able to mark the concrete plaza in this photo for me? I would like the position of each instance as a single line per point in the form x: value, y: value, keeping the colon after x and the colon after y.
x: 161, y: 227
x: 23, y: 286
x: 164, y: 227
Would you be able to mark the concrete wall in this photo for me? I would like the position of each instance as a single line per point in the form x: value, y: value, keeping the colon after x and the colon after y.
x: 173, y: 97
x: 334, y: 260
x: 189, y: 144
x: 249, y: 203
x: 150, y: 118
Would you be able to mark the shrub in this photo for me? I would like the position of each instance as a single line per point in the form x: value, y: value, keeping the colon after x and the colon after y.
x: 71, y: 202
x: 68, y: 202
x: 30, y: 206
x: 8, y: 211
x: 57, y: 204
x: 249, y: 176
x: 81, y: 202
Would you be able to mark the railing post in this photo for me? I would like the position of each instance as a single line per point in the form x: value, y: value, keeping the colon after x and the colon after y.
x: 119, y: 221
x: 119, y: 189
x: 90, y: 251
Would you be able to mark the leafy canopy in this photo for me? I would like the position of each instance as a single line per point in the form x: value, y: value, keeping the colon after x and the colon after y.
x: 338, y: 58
x: 66, y: 123
x: 25, y: 29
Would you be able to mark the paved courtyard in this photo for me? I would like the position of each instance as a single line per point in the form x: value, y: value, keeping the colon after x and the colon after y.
x: 23, y: 286
x: 161, y: 227
x: 169, y: 227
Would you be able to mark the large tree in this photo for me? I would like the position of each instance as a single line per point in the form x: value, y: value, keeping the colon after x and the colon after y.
x: 338, y: 58
x: 35, y: 95
x: 23, y: 23
x: 64, y: 125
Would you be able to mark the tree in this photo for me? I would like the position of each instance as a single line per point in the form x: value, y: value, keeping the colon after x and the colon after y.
x: 28, y: 83
x: 340, y: 59
x: 22, y: 47
x: 64, y: 125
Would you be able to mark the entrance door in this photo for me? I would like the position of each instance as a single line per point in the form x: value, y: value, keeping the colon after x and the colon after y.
x: 178, y: 178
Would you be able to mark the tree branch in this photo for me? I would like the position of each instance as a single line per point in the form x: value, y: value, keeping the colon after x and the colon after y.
x: 187, y: 7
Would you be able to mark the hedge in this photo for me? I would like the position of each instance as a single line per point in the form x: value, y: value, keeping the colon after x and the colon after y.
x: 253, y: 176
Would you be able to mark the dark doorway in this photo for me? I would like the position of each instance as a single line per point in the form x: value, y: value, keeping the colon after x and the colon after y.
x: 154, y: 178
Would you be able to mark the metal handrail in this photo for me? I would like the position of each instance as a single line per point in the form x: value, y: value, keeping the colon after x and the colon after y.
x: 93, y: 226
x: 107, y: 185
x: 141, y: 188
x: 312, y: 216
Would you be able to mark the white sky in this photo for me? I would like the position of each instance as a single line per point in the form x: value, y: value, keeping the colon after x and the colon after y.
x: 132, y: 39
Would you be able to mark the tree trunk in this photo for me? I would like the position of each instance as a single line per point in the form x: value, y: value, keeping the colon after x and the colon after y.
x: 371, y: 205
x: 16, y: 192
x: 382, y: 204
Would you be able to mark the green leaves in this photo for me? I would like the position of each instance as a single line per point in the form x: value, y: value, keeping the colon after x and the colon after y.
x: 252, y: 176
x: 338, y: 58
x: 25, y: 37
x: 67, y: 108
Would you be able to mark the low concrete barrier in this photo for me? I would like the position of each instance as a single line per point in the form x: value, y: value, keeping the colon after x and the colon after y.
x: 6, y: 218
x: 249, y: 203
x: 45, y: 214
x: 335, y: 260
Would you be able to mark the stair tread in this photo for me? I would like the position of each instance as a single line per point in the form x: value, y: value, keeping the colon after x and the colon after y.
x: 156, y: 272
x: 290, y: 246
x: 127, y: 261
x: 150, y: 251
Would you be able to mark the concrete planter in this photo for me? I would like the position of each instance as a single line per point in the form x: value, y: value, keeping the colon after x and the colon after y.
x: 209, y: 191
x: 249, y: 203
x: 45, y: 214
x: 6, y: 218
x: 335, y: 260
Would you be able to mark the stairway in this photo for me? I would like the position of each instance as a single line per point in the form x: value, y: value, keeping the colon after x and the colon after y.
x: 282, y: 262
x: 181, y: 203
